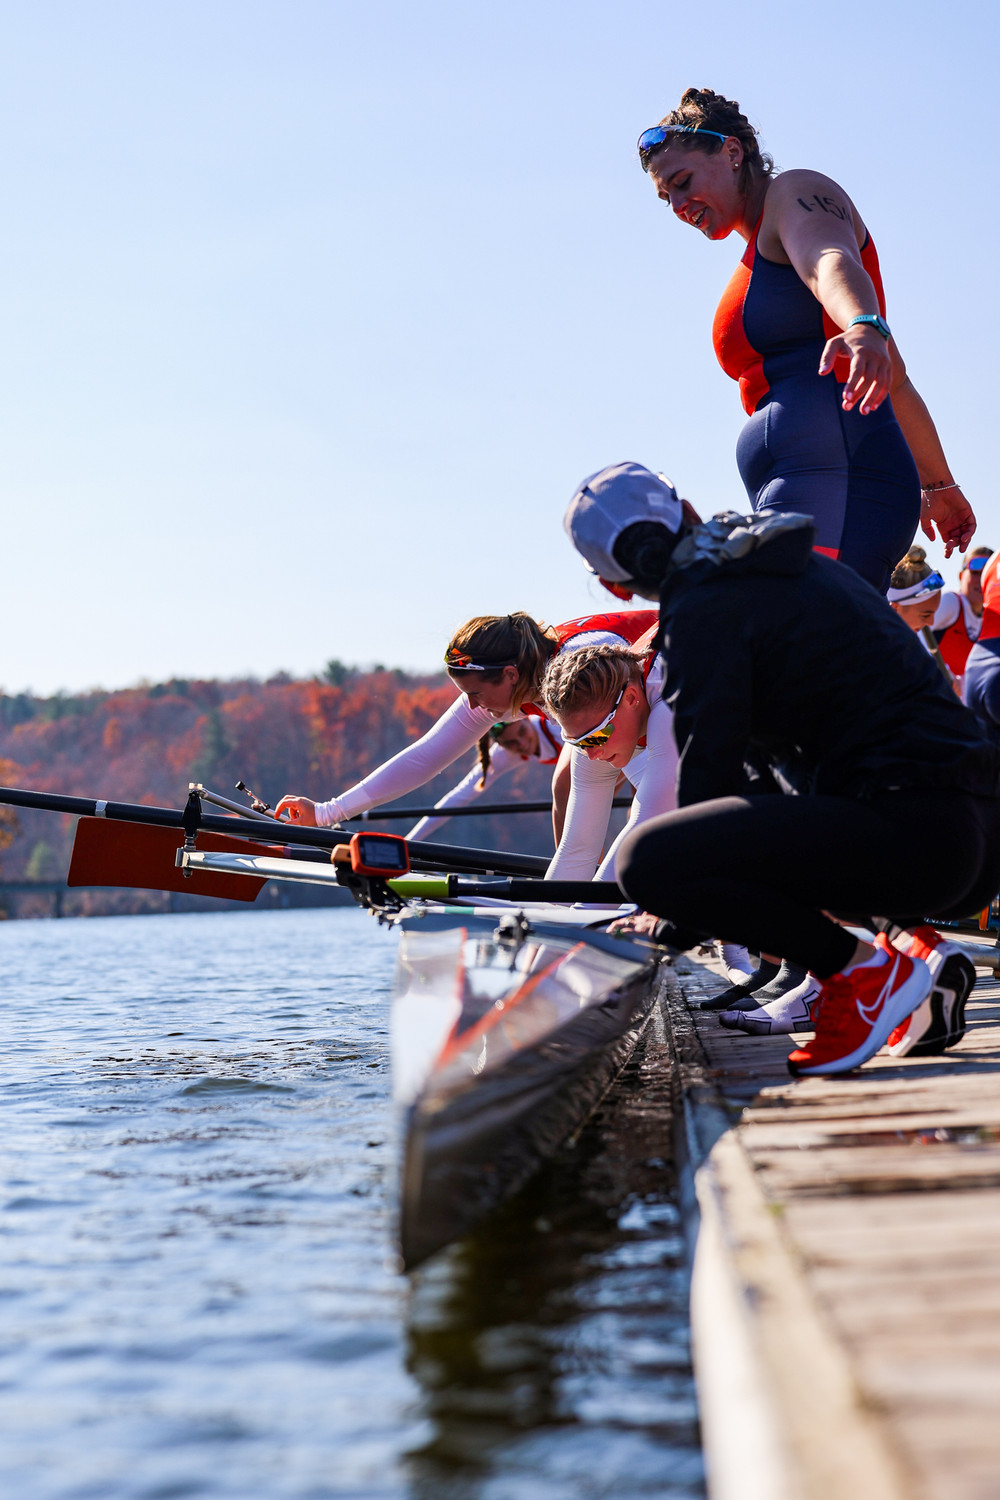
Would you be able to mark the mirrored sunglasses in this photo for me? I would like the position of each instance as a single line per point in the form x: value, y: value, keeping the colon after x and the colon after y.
x: 602, y: 733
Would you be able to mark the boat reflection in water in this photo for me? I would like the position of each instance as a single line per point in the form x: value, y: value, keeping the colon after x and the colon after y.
x: 505, y: 1036
x: 551, y: 1346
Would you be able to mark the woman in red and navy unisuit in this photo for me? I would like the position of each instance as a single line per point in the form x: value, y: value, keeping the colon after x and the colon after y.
x: 959, y: 616
x: 806, y: 304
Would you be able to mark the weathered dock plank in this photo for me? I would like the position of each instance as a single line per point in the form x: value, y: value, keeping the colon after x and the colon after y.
x: 850, y: 1235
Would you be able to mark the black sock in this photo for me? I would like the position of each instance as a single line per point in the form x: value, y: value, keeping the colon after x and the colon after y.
x: 763, y: 974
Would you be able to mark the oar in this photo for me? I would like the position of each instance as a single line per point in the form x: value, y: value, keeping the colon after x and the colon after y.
x: 479, y: 810
x: 928, y: 638
x: 193, y: 820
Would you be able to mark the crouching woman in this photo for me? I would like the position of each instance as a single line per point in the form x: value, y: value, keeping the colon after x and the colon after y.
x: 769, y: 652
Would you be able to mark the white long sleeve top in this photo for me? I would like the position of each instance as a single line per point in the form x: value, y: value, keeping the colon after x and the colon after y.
x: 653, y: 773
x: 458, y: 731
x: 469, y: 789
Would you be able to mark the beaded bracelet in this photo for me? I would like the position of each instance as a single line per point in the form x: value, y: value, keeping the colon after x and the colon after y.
x: 932, y: 489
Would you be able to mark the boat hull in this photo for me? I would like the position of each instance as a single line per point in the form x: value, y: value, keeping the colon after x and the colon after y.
x: 515, y: 1076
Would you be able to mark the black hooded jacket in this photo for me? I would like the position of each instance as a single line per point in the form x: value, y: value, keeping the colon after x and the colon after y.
x: 777, y: 654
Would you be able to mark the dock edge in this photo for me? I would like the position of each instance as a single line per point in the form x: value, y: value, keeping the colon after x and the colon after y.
x: 782, y: 1417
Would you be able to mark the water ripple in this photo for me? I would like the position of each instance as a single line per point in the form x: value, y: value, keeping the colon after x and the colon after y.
x: 198, y: 1295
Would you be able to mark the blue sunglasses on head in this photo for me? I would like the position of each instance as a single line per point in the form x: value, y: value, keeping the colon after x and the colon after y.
x: 656, y: 137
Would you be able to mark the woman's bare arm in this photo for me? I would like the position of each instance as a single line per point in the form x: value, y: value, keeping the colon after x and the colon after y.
x: 942, y: 502
x: 819, y: 231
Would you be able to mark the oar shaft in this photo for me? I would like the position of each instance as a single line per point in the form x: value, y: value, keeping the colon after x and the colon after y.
x: 422, y: 856
x: 475, y: 810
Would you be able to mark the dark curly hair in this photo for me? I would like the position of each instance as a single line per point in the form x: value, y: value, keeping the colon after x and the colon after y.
x: 704, y: 109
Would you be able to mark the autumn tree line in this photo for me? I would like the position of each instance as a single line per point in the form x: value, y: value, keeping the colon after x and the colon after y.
x: 316, y: 736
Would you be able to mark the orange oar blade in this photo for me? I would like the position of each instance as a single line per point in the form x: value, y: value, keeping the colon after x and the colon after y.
x: 138, y: 855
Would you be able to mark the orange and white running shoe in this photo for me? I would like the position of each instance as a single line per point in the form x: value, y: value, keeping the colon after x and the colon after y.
x: 856, y: 1012
x: 939, y: 1020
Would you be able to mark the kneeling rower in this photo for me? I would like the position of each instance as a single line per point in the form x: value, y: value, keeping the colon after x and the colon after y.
x: 768, y: 651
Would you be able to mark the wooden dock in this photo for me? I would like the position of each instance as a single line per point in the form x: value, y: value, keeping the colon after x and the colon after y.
x: 846, y: 1262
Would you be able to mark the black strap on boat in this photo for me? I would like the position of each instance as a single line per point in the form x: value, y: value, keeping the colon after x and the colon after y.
x: 571, y: 891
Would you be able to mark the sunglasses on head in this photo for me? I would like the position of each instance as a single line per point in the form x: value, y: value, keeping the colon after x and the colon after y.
x: 460, y: 661
x: 602, y: 733
x: 656, y: 137
x: 928, y: 586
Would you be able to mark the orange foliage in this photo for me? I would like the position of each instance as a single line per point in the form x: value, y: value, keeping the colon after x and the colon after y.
x: 9, y: 776
x: 145, y: 744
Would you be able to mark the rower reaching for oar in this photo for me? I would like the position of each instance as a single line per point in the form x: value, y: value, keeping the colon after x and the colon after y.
x: 498, y: 662
x: 504, y: 748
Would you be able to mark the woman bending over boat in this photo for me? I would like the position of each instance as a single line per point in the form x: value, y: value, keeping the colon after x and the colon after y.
x: 504, y: 748
x: 608, y: 702
x: 498, y: 662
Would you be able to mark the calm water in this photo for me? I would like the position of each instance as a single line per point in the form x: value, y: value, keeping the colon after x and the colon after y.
x: 197, y: 1294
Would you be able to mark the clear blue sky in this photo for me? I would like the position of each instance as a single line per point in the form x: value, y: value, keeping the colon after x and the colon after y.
x: 315, y: 314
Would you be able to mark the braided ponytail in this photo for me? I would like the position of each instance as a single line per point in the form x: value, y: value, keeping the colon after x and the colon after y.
x: 485, y: 745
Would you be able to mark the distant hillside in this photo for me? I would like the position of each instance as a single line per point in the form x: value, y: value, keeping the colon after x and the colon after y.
x: 144, y: 744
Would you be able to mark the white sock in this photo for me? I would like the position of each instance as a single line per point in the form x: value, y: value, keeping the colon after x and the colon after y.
x: 735, y: 957
x: 793, y: 1009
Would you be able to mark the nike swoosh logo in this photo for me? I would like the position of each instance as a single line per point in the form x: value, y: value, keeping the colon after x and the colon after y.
x: 869, y: 1013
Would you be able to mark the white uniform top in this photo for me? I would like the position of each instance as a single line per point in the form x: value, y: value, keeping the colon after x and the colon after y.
x: 653, y: 773
x: 459, y: 730
x: 469, y: 789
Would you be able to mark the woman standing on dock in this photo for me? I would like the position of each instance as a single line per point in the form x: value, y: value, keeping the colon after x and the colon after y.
x: 804, y: 304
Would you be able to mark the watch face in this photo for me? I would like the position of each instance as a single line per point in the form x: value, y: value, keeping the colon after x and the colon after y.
x: 876, y: 322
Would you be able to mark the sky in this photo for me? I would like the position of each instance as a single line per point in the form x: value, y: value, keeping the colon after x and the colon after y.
x: 317, y: 313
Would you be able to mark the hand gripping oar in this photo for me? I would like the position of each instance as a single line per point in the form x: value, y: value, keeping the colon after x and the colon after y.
x: 146, y: 858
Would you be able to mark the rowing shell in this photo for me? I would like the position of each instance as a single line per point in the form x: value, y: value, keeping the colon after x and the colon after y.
x: 504, y: 1040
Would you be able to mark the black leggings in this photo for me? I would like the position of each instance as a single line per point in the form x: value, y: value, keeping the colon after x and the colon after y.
x: 762, y: 870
